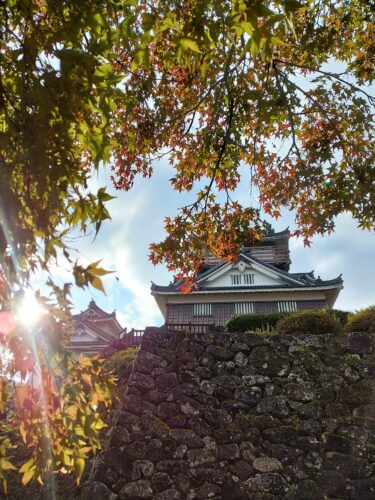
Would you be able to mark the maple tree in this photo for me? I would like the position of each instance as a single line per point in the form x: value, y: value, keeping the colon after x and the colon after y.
x: 280, y: 87
x: 57, y: 95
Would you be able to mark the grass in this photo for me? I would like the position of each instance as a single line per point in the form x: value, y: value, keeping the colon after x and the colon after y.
x: 119, y: 358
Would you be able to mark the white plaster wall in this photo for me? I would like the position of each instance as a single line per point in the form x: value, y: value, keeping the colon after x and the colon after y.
x: 260, y: 279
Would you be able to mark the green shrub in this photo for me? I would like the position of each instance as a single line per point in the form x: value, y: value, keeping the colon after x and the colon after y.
x: 342, y: 316
x: 120, y: 357
x: 252, y: 322
x: 362, y: 321
x: 309, y: 323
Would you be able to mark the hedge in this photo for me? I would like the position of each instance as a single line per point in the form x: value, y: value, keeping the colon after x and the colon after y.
x: 362, y: 321
x: 309, y: 323
x: 252, y: 322
x: 342, y: 316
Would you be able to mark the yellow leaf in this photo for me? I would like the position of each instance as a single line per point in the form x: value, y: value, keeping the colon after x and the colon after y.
x: 66, y: 459
x: 27, y: 477
x: 86, y: 377
x: 247, y: 27
x: 189, y: 44
x: 82, y: 452
x: 79, y: 466
x: 4, y: 485
x: 97, y: 283
x: 99, y: 424
x: 26, y: 466
x: 23, y: 432
x: 6, y: 465
x: 71, y: 411
x: 275, y: 40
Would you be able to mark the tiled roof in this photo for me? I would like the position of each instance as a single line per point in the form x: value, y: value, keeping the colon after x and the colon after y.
x: 296, y: 280
x: 319, y: 283
x: 90, y: 325
x: 272, y: 234
x: 93, y: 306
x: 211, y: 269
x: 322, y: 283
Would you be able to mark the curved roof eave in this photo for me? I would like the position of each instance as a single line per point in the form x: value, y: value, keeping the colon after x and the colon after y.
x: 284, y: 232
x: 237, y: 289
x: 293, y: 278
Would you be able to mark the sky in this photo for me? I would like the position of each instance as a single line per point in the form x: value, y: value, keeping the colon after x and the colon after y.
x: 138, y: 220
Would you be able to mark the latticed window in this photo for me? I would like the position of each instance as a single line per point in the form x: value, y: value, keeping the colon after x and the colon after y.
x: 236, y: 279
x: 287, y: 306
x: 248, y: 279
x: 244, y: 308
x: 202, y: 310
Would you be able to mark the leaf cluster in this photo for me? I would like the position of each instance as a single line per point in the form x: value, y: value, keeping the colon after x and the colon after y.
x: 57, y: 100
x: 211, y: 85
x: 218, y: 85
x: 53, y: 401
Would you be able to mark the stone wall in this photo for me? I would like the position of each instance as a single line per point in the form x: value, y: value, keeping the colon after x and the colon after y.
x: 244, y: 416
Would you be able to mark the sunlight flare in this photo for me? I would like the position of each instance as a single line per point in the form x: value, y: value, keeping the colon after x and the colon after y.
x: 30, y: 310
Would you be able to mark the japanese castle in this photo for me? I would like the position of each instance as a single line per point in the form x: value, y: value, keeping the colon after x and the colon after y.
x: 258, y: 282
x: 94, y: 330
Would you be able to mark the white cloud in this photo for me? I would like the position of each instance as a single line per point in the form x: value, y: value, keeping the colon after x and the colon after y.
x: 123, y: 246
x: 142, y: 311
x: 137, y: 220
x: 348, y: 251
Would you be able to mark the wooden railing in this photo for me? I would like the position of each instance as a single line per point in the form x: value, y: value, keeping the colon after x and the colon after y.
x: 132, y: 338
x: 187, y: 327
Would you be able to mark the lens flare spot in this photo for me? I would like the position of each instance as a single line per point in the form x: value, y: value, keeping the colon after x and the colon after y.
x: 30, y: 310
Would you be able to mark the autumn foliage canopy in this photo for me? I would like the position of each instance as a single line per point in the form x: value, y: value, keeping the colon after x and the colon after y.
x: 279, y: 88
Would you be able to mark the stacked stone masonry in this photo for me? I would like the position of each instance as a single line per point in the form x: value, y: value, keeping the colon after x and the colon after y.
x: 244, y: 416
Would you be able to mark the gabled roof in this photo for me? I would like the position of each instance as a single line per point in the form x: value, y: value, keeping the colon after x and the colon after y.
x: 260, y: 263
x: 89, y: 326
x: 294, y: 280
x: 95, y: 308
x: 98, y: 316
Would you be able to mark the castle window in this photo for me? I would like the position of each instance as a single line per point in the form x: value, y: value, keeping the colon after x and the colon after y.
x: 244, y: 308
x: 249, y: 279
x: 236, y: 279
x: 202, y: 310
x: 287, y: 306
